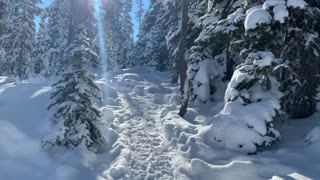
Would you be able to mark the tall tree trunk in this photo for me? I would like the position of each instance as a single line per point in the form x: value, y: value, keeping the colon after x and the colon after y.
x: 181, y: 65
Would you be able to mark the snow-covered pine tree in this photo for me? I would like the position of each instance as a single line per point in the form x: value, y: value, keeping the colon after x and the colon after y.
x: 159, y: 37
x: 18, y: 38
x: 76, y: 119
x: 139, y: 13
x: 40, y: 60
x: 58, y: 28
x: 197, y: 8
x: 112, y: 10
x: 252, y: 99
x: 299, y: 47
x: 140, y: 49
x: 156, y: 54
x: 211, y: 57
x: 126, y: 34
x: 118, y: 29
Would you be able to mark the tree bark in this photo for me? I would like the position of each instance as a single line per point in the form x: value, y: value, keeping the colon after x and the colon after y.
x: 229, y: 64
x: 181, y: 65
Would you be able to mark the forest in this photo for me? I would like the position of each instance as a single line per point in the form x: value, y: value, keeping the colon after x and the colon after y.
x: 159, y: 89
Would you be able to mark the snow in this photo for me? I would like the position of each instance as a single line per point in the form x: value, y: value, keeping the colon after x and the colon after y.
x: 296, y: 4
x: 262, y: 59
x: 280, y: 13
x: 285, y: 160
x: 257, y: 17
x: 23, y: 124
x: 152, y: 141
x: 279, y: 9
x: 313, y: 136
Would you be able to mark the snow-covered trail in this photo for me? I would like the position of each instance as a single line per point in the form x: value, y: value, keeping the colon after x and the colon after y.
x: 145, y: 152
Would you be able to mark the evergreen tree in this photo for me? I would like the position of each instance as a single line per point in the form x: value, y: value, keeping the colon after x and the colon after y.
x: 19, y: 36
x: 118, y: 29
x: 141, y: 49
x: 139, y: 13
x: 252, y: 99
x: 211, y: 57
x: 58, y: 29
x: 299, y: 75
x: 156, y: 54
x: 76, y: 119
x: 125, y: 34
x: 40, y: 53
x: 197, y: 8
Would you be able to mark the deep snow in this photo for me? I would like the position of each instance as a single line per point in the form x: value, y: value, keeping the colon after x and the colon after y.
x: 153, y: 141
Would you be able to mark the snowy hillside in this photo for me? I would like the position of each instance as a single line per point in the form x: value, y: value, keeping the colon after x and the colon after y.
x: 153, y: 142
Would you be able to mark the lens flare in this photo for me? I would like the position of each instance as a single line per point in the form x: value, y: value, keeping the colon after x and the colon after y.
x: 101, y: 36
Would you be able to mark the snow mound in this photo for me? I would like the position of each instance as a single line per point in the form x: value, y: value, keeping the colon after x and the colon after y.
x: 107, y: 115
x: 297, y: 4
x: 107, y: 90
x: 175, y: 100
x: 313, y: 136
x: 138, y: 90
x: 280, y: 10
x: 158, y: 99
x: 257, y: 17
x: 251, y: 103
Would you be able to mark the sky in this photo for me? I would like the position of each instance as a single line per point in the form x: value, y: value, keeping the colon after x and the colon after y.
x: 46, y: 3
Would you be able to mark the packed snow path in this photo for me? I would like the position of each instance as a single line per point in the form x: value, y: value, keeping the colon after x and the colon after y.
x: 146, y: 153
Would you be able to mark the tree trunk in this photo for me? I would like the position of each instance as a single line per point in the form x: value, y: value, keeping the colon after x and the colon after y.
x: 181, y: 65
x: 229, y: 64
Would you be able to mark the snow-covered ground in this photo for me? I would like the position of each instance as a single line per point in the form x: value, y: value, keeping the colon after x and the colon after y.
x: 153, y: 142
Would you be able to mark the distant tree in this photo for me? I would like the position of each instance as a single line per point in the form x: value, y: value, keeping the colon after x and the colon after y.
x: 58, y: 29
x: 119, y: 30
x: 139, y: 13
x: 40, y: 52
x: 125, y: 34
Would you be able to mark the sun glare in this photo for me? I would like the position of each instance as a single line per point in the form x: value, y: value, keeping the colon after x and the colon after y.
x: 101, y: 36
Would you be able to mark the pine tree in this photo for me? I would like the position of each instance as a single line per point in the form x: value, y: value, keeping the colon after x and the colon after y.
x: 299, y: 75
x: 119, y: 31
x: 112, y: 24
x: 141, y: 49
x: 59, y: 22
x: 126, y: 34
x: 211, y: 57
x: 197, y: 8
x: 76, y: 119
x: 139, y: 13
x: 151, y: 49
x: 19, y: 37
x: 252, y: 99
x: 40, y: 50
